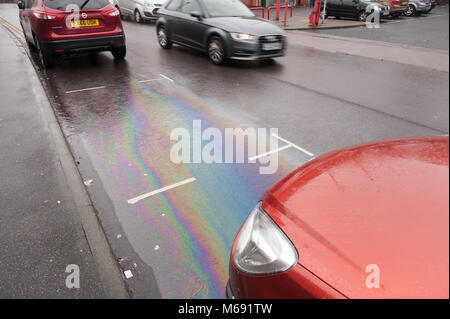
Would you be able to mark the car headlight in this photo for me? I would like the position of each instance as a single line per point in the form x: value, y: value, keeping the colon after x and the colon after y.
x: 242, y: 36
x: 262, y: 247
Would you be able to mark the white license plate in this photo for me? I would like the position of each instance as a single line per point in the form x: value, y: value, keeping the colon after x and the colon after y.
x: 271, y: 46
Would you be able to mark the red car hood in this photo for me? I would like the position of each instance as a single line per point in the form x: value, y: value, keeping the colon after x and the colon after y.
x: 384, y: 203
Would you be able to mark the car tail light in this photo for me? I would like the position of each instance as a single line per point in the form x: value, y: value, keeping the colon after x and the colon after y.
x: 262, y: 247
x: 111, y: 13
x: 395, y: 1
x: 47, y: 16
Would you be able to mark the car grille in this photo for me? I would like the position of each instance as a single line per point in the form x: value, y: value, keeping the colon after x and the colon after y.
x: 270, y: 38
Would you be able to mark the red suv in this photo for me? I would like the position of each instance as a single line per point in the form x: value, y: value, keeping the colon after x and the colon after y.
x: 56, y: 27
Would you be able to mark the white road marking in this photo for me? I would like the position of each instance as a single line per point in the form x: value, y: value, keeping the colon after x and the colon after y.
x: 88, y: 89
x: 150, y: 80
x: 167, y: 78
x: 270, y: 152
x: 293, y: 145
x: 143, y: 196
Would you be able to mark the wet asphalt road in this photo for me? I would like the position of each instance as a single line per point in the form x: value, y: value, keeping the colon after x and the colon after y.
x: 177, y: 243
x: 427, y: 30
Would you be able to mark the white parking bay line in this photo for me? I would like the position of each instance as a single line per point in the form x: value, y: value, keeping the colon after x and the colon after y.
x: 167, y: 78
x: 270, y: 152
x: 293, y: 145
x: 88, y: 89
x: 143, y: 196
x: 150, y: 80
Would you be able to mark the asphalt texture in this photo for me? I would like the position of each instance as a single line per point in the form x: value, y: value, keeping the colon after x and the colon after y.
x: 426, y: 30
x: 177, y: 243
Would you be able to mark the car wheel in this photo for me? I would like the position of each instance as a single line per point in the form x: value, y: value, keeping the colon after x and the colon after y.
x: 411, y: 11
x: 119, y: 53
x: 362, y: 16
x: 216, y: 50
x: 47, y: 59
x: 163, y: 38
x: 137, y: 16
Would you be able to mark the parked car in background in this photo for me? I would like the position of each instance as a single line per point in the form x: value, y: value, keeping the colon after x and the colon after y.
x: 396, y: 7
x: 141, y: 10
x: 53, y: 31
x: 356, y: 9
x: 224, y: 29
x: 417, y: 7
x: 368, y: 221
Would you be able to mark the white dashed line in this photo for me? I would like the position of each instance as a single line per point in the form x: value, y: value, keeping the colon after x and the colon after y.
x: 143, y: 196
x: 88, y: 89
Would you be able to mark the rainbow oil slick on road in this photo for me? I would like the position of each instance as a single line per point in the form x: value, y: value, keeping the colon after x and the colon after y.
x: 184, y: 234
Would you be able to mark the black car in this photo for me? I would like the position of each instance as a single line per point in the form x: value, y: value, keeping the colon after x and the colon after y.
x: 224, y: 29
x: 357, y: 9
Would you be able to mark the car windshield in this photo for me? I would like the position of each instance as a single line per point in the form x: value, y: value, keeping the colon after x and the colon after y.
x: 227, y: 8
x: 64, y: 4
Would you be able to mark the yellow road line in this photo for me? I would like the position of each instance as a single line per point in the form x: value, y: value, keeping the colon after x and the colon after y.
x: 13, y: 29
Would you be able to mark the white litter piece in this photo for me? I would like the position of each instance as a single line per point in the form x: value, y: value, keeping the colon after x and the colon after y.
x: 128, y: 274
x: 156, y: 247
x: 163, y: 214
x: 88, y: 182
x: 59, y: 202
x: 119, y: 236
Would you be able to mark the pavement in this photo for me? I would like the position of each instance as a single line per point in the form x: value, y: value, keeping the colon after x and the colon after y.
x: 117, y: 117
x: 43, y: 229
x: 418, y: 31
x: 299, y: 20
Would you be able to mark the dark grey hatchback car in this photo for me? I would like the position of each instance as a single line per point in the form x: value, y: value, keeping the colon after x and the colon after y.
x: 224, y: 29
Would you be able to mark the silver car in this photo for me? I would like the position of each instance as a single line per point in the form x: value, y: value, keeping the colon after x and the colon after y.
x: 417, y: 7
x: 141, y: 10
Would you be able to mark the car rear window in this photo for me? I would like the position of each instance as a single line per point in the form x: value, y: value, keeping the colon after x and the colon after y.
x: 63, y: 4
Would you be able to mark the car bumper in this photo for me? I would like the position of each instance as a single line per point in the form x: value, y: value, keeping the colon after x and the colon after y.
x: 297, y: 282
x: 228, y: 291
x: 150, y: 13
x: 84, y: 45
x: 423, y: 8
x: 249, y: 51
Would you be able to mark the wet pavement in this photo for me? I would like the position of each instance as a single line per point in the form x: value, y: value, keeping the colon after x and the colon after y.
x: 41, y: 232
x: 177, y: 243
x: 427, y: 30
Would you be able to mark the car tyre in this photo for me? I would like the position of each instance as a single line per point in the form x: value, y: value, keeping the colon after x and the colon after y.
x: 411, y: 11
x: 163, y: 38
x: 47, y: 59
x: 119, y: 53
x: 137, y: 16
x: 362, y: 16
x: 216, y: 50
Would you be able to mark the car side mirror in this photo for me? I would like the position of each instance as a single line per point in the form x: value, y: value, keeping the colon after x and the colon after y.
x: 20, y: 5
x: 196, y: 14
